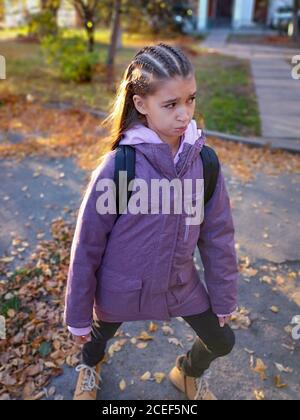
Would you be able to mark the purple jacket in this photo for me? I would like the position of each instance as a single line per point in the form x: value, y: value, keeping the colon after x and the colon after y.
x: 142, y: 266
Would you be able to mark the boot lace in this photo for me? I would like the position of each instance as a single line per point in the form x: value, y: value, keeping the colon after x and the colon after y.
x: 89, y: 379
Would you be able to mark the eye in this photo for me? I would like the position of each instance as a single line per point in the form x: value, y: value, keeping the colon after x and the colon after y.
x: 171, y: 105
x: 168, y: 106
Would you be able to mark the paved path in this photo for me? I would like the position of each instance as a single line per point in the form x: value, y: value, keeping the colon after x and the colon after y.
x: 277, y: 92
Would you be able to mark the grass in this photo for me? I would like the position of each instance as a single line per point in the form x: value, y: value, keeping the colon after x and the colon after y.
x: 227, y: 100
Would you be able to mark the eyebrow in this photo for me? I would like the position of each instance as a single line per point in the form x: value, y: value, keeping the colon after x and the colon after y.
x: 175, y: 99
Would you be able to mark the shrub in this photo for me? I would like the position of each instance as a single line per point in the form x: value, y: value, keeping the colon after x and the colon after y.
x: 70, y: 57
x: 42, y: 24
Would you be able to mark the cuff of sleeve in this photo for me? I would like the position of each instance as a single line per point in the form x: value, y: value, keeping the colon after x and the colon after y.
x: 80, y: 331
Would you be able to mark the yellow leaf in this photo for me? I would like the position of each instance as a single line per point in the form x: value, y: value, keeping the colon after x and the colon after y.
x: 274, y: 309
x: 144, y: 336
x: 259, y: 395
x: 146, y: 376
x: 159, y: 377
x: 152, y: 327
x: 278, y: 383
x: 260, y: 368
x: 122, y: 385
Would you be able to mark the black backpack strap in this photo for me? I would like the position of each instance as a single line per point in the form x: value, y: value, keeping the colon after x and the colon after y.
x: 124, y: 161
x: 211, y: 166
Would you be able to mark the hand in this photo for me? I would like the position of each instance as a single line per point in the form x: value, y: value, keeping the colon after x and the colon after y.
x: 82, y: 339
x: 223, y: 320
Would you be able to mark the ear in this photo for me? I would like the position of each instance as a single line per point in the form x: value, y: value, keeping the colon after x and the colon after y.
x: 139, y: 104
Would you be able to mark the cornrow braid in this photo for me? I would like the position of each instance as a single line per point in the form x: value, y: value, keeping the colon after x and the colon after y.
x: 150, y: 67
x: 184, y: 62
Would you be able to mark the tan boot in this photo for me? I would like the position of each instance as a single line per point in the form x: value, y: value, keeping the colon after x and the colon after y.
x: 194, y: 388
x: 88, y: 382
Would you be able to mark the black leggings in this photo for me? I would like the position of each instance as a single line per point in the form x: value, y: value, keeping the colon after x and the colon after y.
x: 211, y: 342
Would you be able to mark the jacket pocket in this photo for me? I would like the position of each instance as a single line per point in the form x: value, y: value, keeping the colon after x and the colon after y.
x: 118, y: 293
x: 196, y: 216
x: 185, y: 275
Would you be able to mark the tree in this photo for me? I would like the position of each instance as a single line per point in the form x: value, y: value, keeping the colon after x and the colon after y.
x: 88, y: 12
x: 51, y: 5
x: 2, y: 12
x: 113, y: 41
x: 296, y: 6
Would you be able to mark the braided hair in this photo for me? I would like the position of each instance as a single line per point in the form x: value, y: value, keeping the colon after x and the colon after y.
x: 150, y: 67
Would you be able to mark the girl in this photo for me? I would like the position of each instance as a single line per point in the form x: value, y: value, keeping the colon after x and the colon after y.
x: 140, y: 267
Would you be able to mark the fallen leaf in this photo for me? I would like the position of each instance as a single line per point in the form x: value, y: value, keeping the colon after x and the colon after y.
x: 281, y: 368
x: 260, y: 368
x: 259, y: 395
x: 142, y: 346
x: 167, y: 330
x: 153, y: 327
x: 159, y: 377
x: 146, y: 376
x: 274, y: 309
x: 278, y: 383
x: 144, y: 336
x: 175, y: 341
x: 122, y: 385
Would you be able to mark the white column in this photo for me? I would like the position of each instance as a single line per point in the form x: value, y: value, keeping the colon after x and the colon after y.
x: 243, y: 13
x: 202, y: 15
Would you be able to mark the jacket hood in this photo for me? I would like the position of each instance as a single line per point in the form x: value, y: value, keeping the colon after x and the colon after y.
x: 159, y: 153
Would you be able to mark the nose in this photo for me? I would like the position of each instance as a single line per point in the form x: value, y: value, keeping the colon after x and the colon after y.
x: 183, y: 116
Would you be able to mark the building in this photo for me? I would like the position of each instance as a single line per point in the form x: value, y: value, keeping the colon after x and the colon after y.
x: 237, y: 13
x: 17, y: 10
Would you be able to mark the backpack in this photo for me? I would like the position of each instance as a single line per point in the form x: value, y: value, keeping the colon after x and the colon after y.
x: 125, y: 161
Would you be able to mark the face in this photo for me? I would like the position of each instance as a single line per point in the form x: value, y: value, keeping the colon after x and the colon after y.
x: 170, y: 108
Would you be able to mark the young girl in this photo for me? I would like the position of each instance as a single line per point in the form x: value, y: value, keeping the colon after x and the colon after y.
x: 140, y: 266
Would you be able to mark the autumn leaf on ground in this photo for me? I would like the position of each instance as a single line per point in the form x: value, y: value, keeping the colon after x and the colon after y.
x: 175, y: 341
x: 142, y: 346
x: 281, y: 368
x: 278, y: 383
x: 240, y: 319
x: 274, y: 309
x: 159, y: 377
x: 144, y: 336
x: 146, y: 376
x: 167, y: 330
x: 260, y: 368
x: 122, y: 385
x: 259, y: 395
x: 116, y: 346
x: 153, y: 327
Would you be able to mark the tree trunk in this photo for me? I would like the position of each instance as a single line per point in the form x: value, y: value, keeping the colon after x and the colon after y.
x: 113, y: 42
x: 91, y: 38
x: 295, y: 20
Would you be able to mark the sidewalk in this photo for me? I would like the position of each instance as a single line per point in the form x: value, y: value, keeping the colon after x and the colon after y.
x: 278, y: 94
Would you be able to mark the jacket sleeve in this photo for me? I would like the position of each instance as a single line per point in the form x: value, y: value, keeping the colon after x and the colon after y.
x: 88, y: 246
x: 217, y: 249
